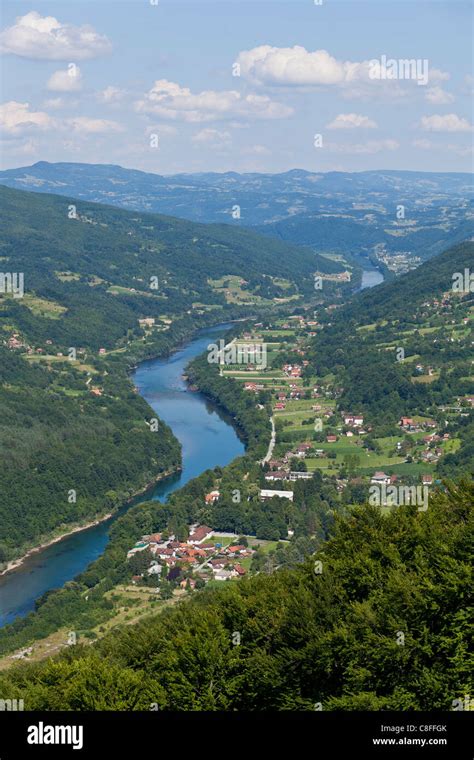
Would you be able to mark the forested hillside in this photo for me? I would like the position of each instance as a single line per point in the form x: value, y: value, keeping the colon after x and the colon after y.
x: 107, y: 267
x: 70, y: 419
x: 327, y: 211
x: 399, y: 299
x: 67, y: 455
x: 406, y: 349
x: 356, y: 627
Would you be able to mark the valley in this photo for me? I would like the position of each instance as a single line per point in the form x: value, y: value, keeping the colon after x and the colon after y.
x: 371, y: 403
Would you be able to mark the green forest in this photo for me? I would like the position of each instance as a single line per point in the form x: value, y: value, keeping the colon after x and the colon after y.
x: 378, y: 619
x: 89, y: 277
x: 343, y: 610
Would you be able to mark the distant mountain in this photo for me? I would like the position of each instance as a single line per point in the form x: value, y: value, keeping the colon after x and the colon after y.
x: 349, y: 213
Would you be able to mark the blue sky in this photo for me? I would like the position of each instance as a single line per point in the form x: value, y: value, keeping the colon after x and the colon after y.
x: 238, y: 85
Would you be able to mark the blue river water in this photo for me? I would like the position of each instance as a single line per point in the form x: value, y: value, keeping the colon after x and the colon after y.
x: 207, y: 437
x: 371, y: 278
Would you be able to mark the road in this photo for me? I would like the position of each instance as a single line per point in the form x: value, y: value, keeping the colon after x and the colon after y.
x: 271, y: 445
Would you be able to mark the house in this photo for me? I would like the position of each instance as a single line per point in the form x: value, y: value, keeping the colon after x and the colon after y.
x: 292, y: 370
x: 331, y: 438
x: 266, y: 494
x: 380, y: 478
x: 218, y: 562
x: 146, y: 322
x: 427, y: 480
x: 240, y: 570
x: 301, y: 475
x: 101, y: 351
x: 353, y: 420
x: 165, y: 552
x: 200, y: 534
x: 304, y: 447
x: 279, y: 406
x: 275, y: 464
x: 224, y: 575
x: 406, y: 422
x: 235, y: 549
x: 212, y: 497
x: 276, y: 475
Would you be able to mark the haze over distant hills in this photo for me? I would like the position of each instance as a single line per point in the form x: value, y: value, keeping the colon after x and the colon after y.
x: 373, y: 213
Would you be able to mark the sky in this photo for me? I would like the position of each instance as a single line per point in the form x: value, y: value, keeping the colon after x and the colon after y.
x: 169, y: 86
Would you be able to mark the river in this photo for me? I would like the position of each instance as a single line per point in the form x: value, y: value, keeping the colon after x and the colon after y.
x: 207, y: 438
x: 371, y: 278
x: 206, y: 435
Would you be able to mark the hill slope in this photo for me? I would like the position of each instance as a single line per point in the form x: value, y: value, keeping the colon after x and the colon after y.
x: 383, y: 627
x: 75, y: 261
x: 89, y: 272
x: 349, y: 213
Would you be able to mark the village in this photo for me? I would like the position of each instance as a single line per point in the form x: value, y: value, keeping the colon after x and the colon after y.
x: 204, y: 556
x: 313, y: 434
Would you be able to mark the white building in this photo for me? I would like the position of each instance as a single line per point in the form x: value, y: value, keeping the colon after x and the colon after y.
x: 265, y: 494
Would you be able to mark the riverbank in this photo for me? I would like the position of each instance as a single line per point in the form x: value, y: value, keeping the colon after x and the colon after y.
x: 14, y: 564
x: 207, y: 439
x: 180, y: 339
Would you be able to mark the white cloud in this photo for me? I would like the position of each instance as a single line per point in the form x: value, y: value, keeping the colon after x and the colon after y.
x: 351, y: 121
x: 468, y: 88
x: 438, y: 96
x: 86, y: 126
x: 423, y: 144
x: 161, y: 129
x: 467, y: 150
x: 256, y: 150
x: 16, y: 118
x: 298, y: 67
x: 111, y: 94
x: 215, y: 137
x: 436, y: 75
x: 19, y: 146
x: 293, y: 66
x: 44, y: 37
x: 451, y: 122
x: 67, y: 80
x: 460, y: 150
x: 371, y: 146
x: 171, y: 101
x: 55, y: 103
